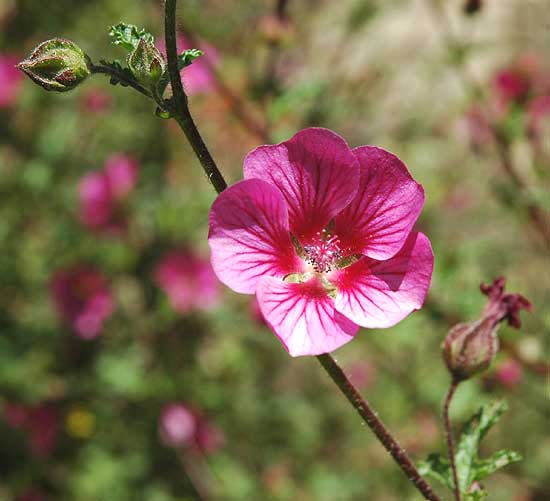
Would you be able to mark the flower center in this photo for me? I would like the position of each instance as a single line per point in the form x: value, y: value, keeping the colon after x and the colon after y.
x: 323, y: 252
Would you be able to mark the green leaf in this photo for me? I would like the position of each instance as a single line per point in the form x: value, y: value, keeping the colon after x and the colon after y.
x: 472, y: 434
x: 188, y: 56
x: 128, y: 36
x: 437, y: 468
x: 485, y: 467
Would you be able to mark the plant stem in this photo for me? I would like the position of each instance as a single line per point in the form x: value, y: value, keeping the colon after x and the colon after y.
x: 181, y: 107
x: 184, y: 119
x: 449, y: 433
x: 376, y: 425
x: 107, y: 70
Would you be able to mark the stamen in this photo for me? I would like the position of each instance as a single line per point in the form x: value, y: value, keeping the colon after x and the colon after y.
x: 323, y: 252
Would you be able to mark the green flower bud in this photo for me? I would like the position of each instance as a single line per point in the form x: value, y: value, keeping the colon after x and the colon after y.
x: 58, y: 65
x: 146, y: 63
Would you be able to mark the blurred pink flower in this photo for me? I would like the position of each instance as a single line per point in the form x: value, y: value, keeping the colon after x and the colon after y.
x: 188, y: 280
x: 40, y: 423
x: 180, y: 426
x: 10, y: 80
x: 177, y: 426
x: 322, y: 235
x: 83, y: 299
x: 198, y: 78
x: 103, y: 192
x: 509, y: 373
x: 513, y: 84
x: 96, y: 101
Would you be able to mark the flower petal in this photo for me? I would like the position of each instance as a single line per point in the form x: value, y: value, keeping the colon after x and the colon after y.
x: 379, y: 294
x: 249, y: 236
x: 303, y: 317
x: 378, y: 221
x: 316, y: 172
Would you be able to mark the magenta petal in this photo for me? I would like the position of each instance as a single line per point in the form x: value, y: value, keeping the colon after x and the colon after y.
x: 379, y: 294
x: 303, y: 317
x: 378, y: 221
x: 315, y: 171
x: 249, y: 236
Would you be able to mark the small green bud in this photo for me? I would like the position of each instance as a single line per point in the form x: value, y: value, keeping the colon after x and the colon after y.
x: 146, y: 63
x: 57, y: 65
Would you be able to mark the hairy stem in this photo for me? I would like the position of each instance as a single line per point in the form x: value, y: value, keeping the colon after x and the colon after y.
x: 449, y: 434
x: 181, y: 111
x: 377, y: 426
x: 119, y: 75
x: 185, y: 121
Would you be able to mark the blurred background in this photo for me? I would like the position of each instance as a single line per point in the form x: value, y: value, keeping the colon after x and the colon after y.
x: 127, y: 372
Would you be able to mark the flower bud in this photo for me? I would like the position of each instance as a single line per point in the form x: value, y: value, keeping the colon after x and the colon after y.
x: 146, y: 62
x: 470, y: 347
x: 57, y: 65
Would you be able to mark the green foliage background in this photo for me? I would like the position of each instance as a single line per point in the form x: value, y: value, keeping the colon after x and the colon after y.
x: 376, y: 72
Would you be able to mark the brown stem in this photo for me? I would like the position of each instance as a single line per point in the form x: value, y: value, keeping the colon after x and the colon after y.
x: 449, y: 433
x: 377, y: 426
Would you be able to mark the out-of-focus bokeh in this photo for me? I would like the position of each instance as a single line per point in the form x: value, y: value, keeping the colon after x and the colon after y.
x: 128, y: 372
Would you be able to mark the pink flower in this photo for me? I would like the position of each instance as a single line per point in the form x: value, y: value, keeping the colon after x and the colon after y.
x: 322, y: 235
x: 83, y: 299
x: 188, y: 280
x: 40, y: 423
x: 513, y: 84
x: 177, y: 426
x: 509, y: 373
x: 102, y: 194
x: 10, y: 80
x: 198, y: 78
x: 180, y: 426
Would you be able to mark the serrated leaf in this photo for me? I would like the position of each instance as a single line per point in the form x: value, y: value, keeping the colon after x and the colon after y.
x: 438, y: 468
x: 500, y: 459
x: 188, y: 56
x: 472, y: 434
x: 128, y: 36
